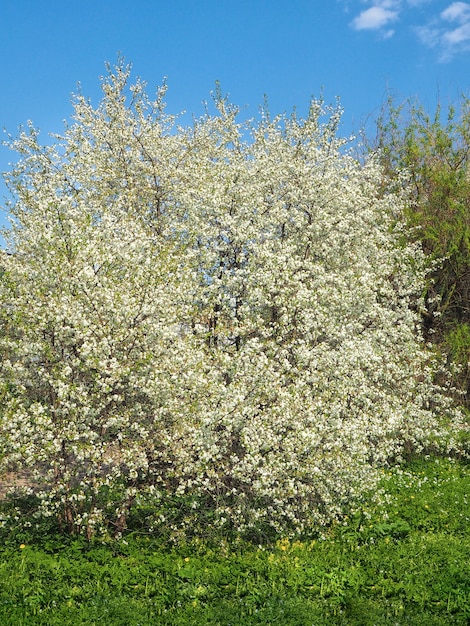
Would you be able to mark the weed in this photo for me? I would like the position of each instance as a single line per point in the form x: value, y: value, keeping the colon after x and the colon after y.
x: 404, y: 563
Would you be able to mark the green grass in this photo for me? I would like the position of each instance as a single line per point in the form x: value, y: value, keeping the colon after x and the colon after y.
x: 405, y: 563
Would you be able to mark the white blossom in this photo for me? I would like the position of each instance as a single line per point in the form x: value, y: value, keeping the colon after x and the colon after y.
x: 226, y: 312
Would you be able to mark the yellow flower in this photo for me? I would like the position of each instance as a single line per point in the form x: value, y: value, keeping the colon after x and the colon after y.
x: 283, y: 544
x: 22, y: 546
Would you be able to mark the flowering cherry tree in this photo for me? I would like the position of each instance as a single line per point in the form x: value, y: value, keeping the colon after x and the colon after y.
x: 223, y: 316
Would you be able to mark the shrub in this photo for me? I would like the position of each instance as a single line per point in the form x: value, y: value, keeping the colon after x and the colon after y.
x: 222, y: 319
x: 435, y: 151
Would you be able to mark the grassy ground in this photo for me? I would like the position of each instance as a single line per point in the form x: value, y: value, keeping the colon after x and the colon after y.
x: 407, y: 563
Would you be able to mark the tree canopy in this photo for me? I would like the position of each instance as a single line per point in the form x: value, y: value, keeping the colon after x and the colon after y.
x: 434, y: 151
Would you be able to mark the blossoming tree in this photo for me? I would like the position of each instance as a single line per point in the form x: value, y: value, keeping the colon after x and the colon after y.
x: 223, y: 316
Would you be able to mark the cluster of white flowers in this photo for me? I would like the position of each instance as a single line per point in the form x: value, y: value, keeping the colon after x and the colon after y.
x: 226, y: 313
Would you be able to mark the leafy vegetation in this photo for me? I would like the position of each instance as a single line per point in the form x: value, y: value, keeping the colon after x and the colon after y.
x: 434, y: 150
x: 404, y: 563
x: 211, y: 349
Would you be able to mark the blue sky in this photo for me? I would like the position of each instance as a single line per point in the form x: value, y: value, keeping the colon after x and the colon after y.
x: 357, y: 50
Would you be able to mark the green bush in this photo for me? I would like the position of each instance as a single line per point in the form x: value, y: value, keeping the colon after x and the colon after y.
x: 434, y: 151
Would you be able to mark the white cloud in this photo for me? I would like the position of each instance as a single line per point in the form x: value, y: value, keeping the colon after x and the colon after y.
x: 417, y: 3
x: 458, y: 35
x: 449, y: 39
x: 387, y: 4
x: 428, y: 35
x: 375, y: 18
x: 448, y: 31
x: 457, y: 12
